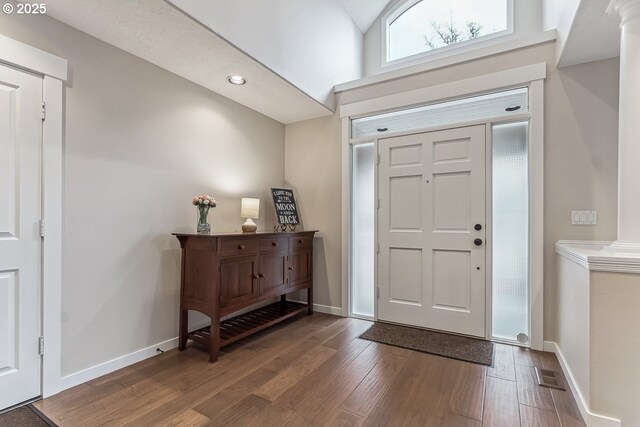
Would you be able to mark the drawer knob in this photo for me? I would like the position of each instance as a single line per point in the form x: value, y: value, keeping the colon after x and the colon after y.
x: 301, y: 241
x: 255, y: 276
x: 274, y: 243
x: 260, y: 275
x: 241, y: 247
x: 290, y: 268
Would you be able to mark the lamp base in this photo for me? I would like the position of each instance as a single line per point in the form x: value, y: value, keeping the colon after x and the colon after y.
x: 249, y: 226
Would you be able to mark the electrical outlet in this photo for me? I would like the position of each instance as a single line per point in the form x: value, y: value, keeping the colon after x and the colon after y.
x: 584, y: 217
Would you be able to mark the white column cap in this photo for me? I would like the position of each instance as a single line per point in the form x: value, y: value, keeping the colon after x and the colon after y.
x: 628, y: 9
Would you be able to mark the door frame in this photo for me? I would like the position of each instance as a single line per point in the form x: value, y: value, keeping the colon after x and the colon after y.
x: 53, y: 70
x: 532, y: 77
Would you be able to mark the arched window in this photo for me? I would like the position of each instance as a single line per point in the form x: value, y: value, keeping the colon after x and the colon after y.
x: 418, y: 27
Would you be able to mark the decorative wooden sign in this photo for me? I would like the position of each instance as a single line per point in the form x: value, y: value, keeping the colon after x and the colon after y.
x: 286, y: 209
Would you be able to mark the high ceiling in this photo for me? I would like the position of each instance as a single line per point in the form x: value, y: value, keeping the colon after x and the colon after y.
x: 158, y: 32
x: 364, y: 12
x: 594, y: 34
x: 167, y: 36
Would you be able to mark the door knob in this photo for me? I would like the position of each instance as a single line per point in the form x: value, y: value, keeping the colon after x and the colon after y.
x: 260, y: 275
x: 477, y: 242
x: 478, y: 227
x: 255, y: 276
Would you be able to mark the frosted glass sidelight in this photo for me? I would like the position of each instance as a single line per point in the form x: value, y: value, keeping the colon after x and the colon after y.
x: 510, y: 231
x: 363, y: 227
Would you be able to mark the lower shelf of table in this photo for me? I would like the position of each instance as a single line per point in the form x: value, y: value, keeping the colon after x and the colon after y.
x: 232, y: 330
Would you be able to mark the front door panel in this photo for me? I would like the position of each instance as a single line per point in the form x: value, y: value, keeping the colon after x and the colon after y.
x: 432, y: 194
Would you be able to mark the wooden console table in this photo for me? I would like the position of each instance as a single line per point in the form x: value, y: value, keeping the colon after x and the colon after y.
x: 224, y: 273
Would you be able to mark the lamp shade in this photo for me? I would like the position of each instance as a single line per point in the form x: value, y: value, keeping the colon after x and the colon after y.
x: 250, y: 208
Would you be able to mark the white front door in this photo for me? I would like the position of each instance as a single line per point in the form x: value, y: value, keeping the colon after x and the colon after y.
x: 432, y: 256
x: 20, y: 245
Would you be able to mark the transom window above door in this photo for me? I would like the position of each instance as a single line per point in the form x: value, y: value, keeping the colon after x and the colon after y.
x: 419, y: 27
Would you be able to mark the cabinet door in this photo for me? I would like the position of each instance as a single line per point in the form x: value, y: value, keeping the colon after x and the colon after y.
x: 300, y: 267
x: 238, y: 276
x: 273, y: 273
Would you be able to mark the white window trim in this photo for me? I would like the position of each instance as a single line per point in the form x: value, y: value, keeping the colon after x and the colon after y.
x: 54, y: 72
x: 531, y: 76
x: 442, y: 52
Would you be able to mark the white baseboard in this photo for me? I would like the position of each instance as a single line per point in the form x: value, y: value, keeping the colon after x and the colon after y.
x: 104, y: 368
x: 336, y: 311
x: 590, y: 418
x: 107, y: 367
x: 327, y: 309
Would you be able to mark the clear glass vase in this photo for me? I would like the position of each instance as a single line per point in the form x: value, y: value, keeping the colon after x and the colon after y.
x: 203, y: 225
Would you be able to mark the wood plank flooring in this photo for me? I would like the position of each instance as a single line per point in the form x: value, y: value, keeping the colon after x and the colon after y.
x: 315, y: 371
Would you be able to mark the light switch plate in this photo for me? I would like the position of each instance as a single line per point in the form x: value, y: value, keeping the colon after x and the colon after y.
x: 584, y: 217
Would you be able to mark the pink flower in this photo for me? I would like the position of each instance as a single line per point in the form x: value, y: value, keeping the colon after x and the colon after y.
x: 205, y: 200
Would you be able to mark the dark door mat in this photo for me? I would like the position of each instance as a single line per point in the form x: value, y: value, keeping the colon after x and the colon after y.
x: 452, y: 346
x: 24, y: 416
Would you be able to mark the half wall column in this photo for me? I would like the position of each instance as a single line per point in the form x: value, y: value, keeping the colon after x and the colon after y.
x: 628, y: 128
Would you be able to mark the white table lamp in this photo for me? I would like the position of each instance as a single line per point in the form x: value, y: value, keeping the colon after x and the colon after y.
x: 249, y: 209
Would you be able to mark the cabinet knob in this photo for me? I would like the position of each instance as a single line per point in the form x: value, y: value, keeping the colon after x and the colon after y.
x: 274, y: 243
x: 260, y: 275
x: 255, y: 276
x: 301, y: 241
x: 241, y: 247
x: 290, y: 268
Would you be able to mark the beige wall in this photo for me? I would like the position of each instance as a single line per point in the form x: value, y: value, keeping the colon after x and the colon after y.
x: 580, y: 153
x: 139, y: 143
x: 615, y: 345
x: 313, y: 168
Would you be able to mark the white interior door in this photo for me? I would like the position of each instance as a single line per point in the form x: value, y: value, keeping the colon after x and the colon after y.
x: 431, y: 259
x: 20, y: 257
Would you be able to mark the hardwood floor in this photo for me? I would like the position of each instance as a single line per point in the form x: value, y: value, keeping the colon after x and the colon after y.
x: 314, y: 371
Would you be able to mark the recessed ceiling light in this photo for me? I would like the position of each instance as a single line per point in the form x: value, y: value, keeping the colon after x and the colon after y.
x: 235, y: 79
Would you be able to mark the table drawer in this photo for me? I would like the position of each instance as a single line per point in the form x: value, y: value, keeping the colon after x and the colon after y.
x: 274, y: 244
x: 300, y: 242
x: 237, y: 247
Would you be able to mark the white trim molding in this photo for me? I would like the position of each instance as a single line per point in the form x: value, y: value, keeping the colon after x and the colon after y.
x: 52, y: 135
x: 327, y: 309
x: 590, y: 418
x: 593, y: 256
x: 450, y: 60
x: 29, y: 58
x: 54, y: 72
x: 107, y: 367
x: 461, y: 88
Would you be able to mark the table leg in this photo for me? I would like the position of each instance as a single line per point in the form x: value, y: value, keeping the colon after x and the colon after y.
x: 183, y: 330
x: 214, y: 346
x: 310, y: 299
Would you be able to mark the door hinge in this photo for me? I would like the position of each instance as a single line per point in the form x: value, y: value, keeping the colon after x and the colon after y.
x: 377, y: 292
x: 378, y: 248
x: 378, y: 205
x: 44, y: 110
x: 42, y: 228
x: 378, y: 161
x: 41, y: 346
